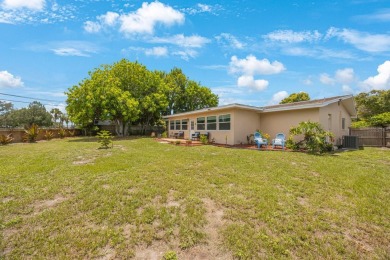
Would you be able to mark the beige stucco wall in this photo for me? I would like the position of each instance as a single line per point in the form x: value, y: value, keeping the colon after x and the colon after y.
x: 333, y: 122
x: 281, y: 122
x: 242, y: 123
x: 245, y: 123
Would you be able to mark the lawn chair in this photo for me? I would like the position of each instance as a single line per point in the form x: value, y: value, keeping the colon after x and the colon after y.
x: 279, y: 140
x: 260, y: 140
x: 195, y: 136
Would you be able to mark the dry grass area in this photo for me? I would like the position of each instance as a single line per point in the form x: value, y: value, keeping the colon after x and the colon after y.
x: 147, y: 200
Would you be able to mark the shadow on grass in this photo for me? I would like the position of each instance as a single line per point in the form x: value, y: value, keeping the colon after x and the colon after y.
x: 86, y: 139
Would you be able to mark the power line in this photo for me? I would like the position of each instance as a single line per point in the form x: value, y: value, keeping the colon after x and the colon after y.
x: 8, y: 100
x: 49, y: 100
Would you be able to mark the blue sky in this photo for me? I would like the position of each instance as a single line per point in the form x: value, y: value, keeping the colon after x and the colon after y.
x: 248, y: 52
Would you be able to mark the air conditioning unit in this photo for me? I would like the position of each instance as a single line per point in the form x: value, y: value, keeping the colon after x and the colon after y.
x: 351, y: 142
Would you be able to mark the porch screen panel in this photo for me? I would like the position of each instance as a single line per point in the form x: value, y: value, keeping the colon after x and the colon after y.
x: 224, y: 122
x: 200, y: 123
x: 172, y: 125
x: 211, y: 123
x: 177, y: 125
x: 184, y: 124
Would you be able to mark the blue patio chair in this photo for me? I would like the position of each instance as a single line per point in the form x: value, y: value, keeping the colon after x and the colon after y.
x: 280, y: 140
x: 259, y: 140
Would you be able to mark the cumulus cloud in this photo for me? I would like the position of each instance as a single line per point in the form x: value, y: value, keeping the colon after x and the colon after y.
x: 106, y: 20
x: 277, y: 97
x: 157, y: 51
x: 35, y: 5
x: 361, y: 40
x: 249, y: 81
x: 7, y: 80
x: 289, y: 36
x: 380, y: 81
x: 251, y: 66
x: 92, y: 27
x: 347, y: 90
x: 228, y: 40
x: 144, y: 20
x: 194, y: 41
x: 341, y: 76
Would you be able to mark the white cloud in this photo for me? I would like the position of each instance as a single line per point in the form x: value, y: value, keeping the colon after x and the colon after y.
x: 109, y: 19
x: 249, y: 81
x: 144, y: 20
x: 68, y: 48
x: 345, y: 76
x: 326, y: 79
x: 92, y: 27
x: 157, y: 51
x: 194, y: 41
x: 228, y: 40
x: 341, y: 76
x: 186, y: 54
x: 278, y: 96
x: 307, y: 81
x: 70, y: 52
x: 380, y: 81
x: 347, y: 89
x: 361, y: 40
x: 289, y: 36
x: 379, y: 16
x: 251, y: 66
x: 35, y: 5
x: 7, y: 80
x: 203, y: 8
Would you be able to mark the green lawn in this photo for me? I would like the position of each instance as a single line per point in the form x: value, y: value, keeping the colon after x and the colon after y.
x: 144, y: 199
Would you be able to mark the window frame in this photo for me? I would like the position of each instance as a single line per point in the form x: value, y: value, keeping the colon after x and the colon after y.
x: 200, y: 124
x: 184, y: 124
x: 221, y: 121
x: 211, y: 123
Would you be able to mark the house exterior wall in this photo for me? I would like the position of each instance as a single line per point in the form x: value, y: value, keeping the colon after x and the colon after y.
x: 331, y: 117
x: 219, y: 136
x: 245, y: 123
x: 281, y: 121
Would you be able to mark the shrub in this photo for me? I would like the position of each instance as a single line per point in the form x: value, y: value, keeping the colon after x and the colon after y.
x: 203, y: 139
x: 71, y: 133
x: 6, y: 139
x: 31, y: 134
x: 170, y: 255
x: 104, y: 138
x: 61, y: 133
x: 48, y: 135
x: 315, y: 138
x: 164, y: 134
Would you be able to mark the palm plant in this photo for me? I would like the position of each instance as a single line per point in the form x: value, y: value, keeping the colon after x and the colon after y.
x: 31, y: 134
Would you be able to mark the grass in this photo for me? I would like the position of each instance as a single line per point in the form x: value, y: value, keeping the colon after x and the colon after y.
x: 69, y: 199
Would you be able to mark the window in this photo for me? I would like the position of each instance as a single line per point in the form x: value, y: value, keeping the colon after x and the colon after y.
x: 343, y: 123
x: 184, y: 124
x: 224, y: 122
x: 177, y: 125
x: 172, y: 125
x: 200, y: 123
x: 211, y: 123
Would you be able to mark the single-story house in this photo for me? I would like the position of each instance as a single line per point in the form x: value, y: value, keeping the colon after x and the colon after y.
x: 232, y: 123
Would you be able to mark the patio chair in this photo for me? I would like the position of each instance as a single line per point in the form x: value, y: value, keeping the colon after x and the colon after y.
x: 259, y: 140
x: 195, y: 136
x: 280, y: 140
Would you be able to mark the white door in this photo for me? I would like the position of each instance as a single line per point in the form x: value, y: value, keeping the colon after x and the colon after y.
x: 192, y: 128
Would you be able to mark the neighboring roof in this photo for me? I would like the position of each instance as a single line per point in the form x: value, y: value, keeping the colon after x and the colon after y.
x: 347, y: 101
x: 224, y: 107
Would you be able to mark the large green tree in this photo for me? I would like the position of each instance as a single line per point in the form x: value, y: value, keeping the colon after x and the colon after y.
x: 128, y: 93
x: 372, y: 103
x: 296, y: 97
x: 186, y: 95
x: 35, y: 113
x: 5, y: 109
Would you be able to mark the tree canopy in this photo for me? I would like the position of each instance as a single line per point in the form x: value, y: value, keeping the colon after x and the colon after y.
x: 296, y: 97
x: 35, y: 113
x: 128, y: 93
x: 373, y: 108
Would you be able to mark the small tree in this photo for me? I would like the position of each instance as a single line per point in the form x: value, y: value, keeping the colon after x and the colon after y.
x: 105, y: 139
x: 314, y: 137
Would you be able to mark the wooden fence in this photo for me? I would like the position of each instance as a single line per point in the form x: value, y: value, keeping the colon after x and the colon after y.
x: 372, y: 136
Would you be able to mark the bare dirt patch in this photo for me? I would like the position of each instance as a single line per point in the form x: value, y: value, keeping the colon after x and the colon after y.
x: 7, y: 199
x: 82, y: 161
x: 171, y: 202
x: 40, y: 206
x: 107, y: 253
x: 154, y: 252
x: 213, y: 248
